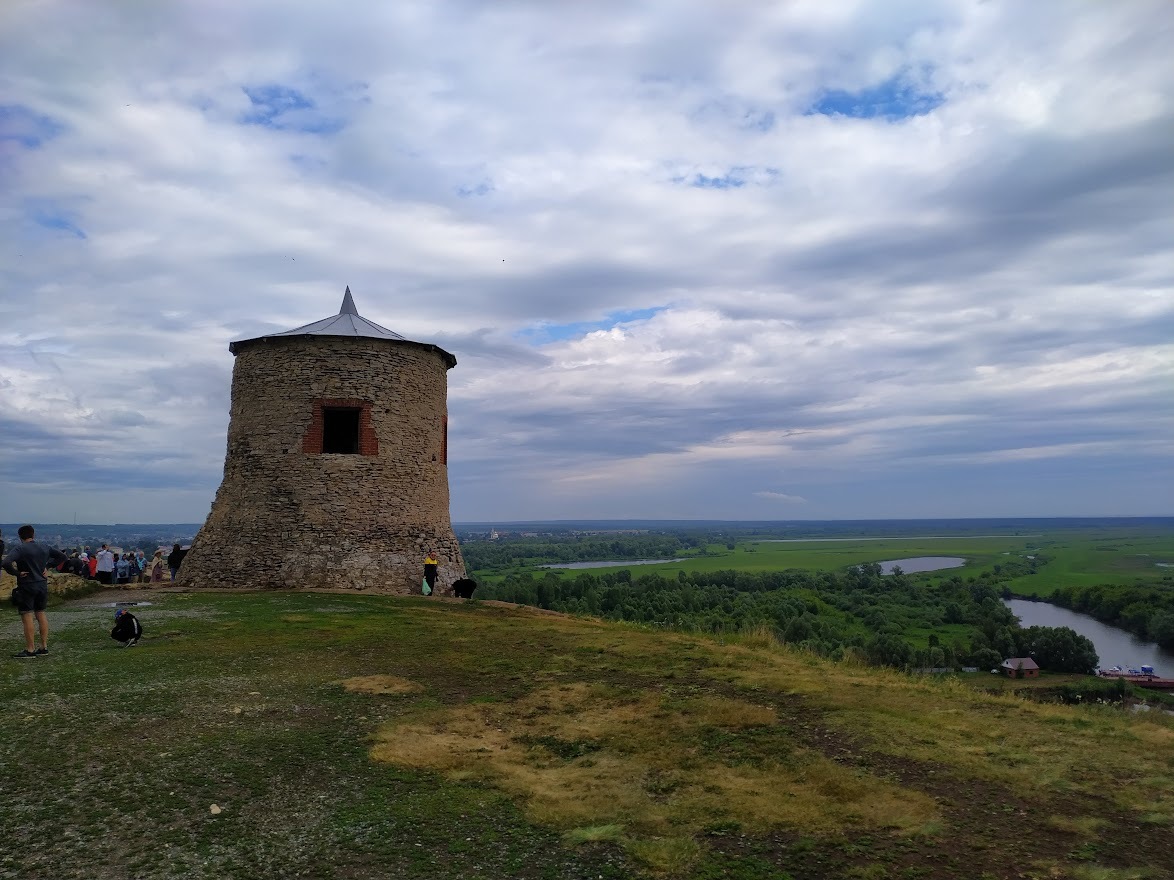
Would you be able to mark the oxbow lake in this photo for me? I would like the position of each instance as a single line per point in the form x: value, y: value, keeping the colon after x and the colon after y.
x: 922, y: 563
x: 611, y: 563
x: 1115, y: 647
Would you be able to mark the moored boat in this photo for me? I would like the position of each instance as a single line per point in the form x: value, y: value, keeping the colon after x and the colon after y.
x: 1144, y: 677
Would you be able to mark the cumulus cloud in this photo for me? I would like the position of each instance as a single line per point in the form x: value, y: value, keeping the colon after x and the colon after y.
x: 903, y: 258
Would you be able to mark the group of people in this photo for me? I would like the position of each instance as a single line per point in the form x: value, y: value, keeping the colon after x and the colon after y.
x: 133, y: 567
x: 29, y: 562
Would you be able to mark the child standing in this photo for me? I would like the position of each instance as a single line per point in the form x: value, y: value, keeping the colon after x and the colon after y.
x: 430, y: 568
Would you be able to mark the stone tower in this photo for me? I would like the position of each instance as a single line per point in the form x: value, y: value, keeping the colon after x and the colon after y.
x: 336, y: 471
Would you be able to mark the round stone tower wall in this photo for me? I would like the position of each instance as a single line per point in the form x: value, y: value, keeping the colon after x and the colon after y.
x: 288, y: 515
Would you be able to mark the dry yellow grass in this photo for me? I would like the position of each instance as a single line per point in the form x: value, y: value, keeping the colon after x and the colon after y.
x: 585, y: 756
x: 1085, y: 826
x: 582, y: 755
x: 1028, y: 746
x: 380, y: 684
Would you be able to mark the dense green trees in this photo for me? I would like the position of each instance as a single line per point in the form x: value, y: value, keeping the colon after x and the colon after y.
x: 857, y: 612
x: 513, y: 551
x: 1057, y: 649
x: 1147, y: 610
x: 1160, y: 628
x: 899, y: 620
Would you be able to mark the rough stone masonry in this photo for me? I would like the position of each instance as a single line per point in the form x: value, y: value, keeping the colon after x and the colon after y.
x: 293, y: 512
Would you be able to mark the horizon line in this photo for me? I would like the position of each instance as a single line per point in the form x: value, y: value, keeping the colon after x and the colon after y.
x: 650, y: 519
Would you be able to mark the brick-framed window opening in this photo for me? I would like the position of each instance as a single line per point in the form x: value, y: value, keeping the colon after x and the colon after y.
x: 340, y: 430
x: 341, y: 427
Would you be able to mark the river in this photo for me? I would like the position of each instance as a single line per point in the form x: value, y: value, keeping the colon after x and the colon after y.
x: 1115, y: 647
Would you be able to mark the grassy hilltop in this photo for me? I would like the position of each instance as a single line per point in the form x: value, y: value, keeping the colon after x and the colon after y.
x: 343, y: 736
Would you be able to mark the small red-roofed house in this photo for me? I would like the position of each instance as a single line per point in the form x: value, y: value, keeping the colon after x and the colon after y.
x: 1020, y: 667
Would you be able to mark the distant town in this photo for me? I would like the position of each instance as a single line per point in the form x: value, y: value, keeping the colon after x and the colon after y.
x: 127, y: 536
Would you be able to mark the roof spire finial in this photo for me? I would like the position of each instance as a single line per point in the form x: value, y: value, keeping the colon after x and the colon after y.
x: 348, y: 303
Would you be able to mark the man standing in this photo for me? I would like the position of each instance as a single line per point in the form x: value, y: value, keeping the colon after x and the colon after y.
x: 175, y: 559
x: 105, y: 565
x: 28, y: 562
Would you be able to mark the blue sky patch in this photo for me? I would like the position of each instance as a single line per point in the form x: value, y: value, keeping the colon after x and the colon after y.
x: 542, y: 334
x: 735, y: 178
x: 732, y: 179
x: 893, y: 99
x: 286, y: 109
x: 469, y: 190
x: 27, y: 127
x: 48, y: 215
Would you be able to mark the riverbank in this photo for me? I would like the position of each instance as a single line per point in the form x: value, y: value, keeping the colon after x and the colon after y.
x: 1114, y: 646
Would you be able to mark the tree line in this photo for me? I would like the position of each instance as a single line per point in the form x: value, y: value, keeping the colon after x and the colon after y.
x: 853, y: 613
x: 1145, y: 610
x: 510, y: 552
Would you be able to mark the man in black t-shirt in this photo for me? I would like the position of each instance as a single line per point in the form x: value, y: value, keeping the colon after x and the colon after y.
x: 28, y: 563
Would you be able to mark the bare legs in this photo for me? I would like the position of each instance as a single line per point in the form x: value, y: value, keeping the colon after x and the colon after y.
x: 26, y: 621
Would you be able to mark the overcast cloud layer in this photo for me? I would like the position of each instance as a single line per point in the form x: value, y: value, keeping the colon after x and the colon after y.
x: 742, y: 260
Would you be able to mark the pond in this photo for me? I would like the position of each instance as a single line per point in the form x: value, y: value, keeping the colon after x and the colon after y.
x: 1115, y: 647
x: 612, y: 563
x: 922, y: 563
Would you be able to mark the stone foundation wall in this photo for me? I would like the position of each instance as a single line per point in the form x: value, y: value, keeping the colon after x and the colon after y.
x: 288, y: 517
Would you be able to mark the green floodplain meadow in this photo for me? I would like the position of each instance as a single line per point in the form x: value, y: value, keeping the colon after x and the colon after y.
x: 335, y: 735
x: 1074, y: 557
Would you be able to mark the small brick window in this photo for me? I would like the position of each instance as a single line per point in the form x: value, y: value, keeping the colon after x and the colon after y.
x: 341, y: 427
x: 340, y: 430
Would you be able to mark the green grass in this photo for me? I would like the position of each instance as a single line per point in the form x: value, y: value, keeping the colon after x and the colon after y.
x: 1075, y: 557
x: 1125, y: 557
x: 980, y: 553
x: 1094, y: 558
x: 346, y: 736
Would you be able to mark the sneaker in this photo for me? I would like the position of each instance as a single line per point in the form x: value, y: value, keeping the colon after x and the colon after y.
x: 131, y: 643
x: 41, y: 652
x: 24, y: 655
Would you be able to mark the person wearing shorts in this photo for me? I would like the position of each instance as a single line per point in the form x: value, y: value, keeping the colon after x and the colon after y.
x: 28, y: 562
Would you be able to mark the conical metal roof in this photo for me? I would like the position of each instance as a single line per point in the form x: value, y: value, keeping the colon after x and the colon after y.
x: 348, y: 322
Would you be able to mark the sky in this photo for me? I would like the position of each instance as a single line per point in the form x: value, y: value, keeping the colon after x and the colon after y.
x: 819, y: 259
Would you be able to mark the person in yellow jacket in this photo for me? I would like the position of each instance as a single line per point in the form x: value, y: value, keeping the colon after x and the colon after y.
x: 430, y: 567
